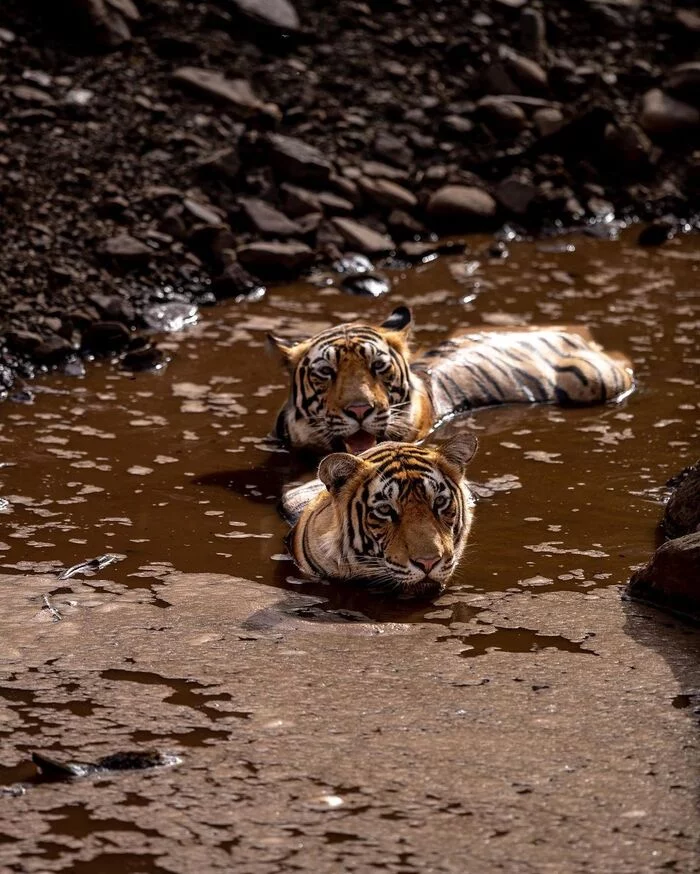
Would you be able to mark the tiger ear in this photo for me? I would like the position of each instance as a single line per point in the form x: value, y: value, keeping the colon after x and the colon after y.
x: 336, y: 469
x: 280, y: 350
x: 459, y: 450
x: 400, y: 319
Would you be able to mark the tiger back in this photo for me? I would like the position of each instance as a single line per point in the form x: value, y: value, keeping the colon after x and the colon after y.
x: 396, y: 517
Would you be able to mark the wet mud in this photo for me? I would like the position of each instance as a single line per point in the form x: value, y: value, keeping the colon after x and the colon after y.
x: 526, y: 718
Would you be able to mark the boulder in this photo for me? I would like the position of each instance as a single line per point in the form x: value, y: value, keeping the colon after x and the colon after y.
x: 682, y: 513
x: 671, y: 579
x: 683, y: 82
x: 275, y: 260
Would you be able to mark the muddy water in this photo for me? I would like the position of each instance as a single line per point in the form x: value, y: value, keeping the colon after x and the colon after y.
x: 171, y: 470
x: 172, y: 474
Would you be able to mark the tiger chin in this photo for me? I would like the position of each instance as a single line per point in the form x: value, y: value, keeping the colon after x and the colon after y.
x: 396, y: 517
x: 352, y: 388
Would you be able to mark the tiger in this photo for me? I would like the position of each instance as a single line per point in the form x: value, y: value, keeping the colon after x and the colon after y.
x: 396, y: 517
x: 356, y: 385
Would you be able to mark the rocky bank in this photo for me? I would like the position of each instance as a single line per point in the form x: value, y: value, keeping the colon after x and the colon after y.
x: 159, y: 152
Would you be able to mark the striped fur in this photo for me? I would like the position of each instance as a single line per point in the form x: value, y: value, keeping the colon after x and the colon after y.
x: 356, y: 364
x: 397, y: 516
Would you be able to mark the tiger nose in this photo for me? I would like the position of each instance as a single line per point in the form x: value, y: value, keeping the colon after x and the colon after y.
x: 358, y: 411
x: 426, y: 563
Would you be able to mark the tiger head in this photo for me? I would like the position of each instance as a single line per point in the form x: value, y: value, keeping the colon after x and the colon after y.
x: 352, y: 388
x: 397, y: 516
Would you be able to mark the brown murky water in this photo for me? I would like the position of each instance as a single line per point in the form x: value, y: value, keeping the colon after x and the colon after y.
x: 171, y: 472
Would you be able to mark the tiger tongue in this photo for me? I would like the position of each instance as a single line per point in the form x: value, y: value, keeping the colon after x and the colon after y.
x: 359, y: 442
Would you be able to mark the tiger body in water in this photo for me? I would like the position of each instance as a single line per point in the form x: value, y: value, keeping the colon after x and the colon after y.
x: 397, y: 516
x: 356, y: 385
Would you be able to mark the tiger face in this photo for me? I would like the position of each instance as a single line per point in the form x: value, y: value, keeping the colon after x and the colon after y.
x: 352, y: 388
x: 398, y: 516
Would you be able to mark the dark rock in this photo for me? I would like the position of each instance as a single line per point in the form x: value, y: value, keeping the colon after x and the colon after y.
x: 105, y: 338
x: 125, y: 249
x: 378, y: 170
x: 547, y: 120
x: 309, y: 223
x: 456, y: 126
x: 296, y: 160
x: 112, y: 308
x: 671, y: 579
x: 299, y: 201
x: 683, y: 82
x: 404, y: 226
x: 333, y: 204
x: 658, y: 232
x: 461, y: 205
x: 527, y: 74
x: 502, y: 116
x: 52, y: 351
x: 682, y: 513
x: 497, y: 80
x: 498, y: 249
x: 515, y: 195
x: 392, y: 149
x: 148, y: 358
x: 277, y: 14
x: 22, y: 342
x: 629, y: 148
x: 266, y: 219
x: 225, y: 163
x: 533, y: 33
x: 385, y: 193
x: 662, y: 115
x: 235, y: 282
x: 275, y: 260
x: 237, y: 93
x: 202, y: 212
x: 361, y: 237
x: 366, y: 284
x: 688, y: 19
x: 100, y: 23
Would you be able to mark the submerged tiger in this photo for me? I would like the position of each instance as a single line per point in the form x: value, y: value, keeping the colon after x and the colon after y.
x: 397, y: 516
x: 356, y: 385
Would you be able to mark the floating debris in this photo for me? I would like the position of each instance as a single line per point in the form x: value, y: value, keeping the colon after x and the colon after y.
x: 91, y: 565
x: 52, y: 769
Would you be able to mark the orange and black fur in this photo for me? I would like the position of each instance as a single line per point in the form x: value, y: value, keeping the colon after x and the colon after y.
x: 397, y: 516
x: 357, y: 385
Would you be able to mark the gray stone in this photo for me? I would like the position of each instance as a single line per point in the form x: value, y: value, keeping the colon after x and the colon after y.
x: 279, y: 14
x: 273, y: 259
x: 266, y: 219
x: 296, y: 160
x: 461, y: 202
x: 237, y: 93
x: 662, y: 115
x: 385, y: 193
x: 362, y: 238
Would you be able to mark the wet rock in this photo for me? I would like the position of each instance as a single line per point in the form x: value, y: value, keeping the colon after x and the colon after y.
x: 663, y: 115
x: 105, y: 338
x: 628, y: 147
x: 276, y: 260
x: 515, y: 195
x: 403, y: 225
x: 237, y: 93
x: 353, y: 263
x: 170, y: 316
x: 361, y: 237
x: 392, y: 149
x: 266, y: 219
x: 502, y: 116
x: 418, y: 252
x: 498, y: 250
x: 296, y: 160
x: 125, y: 249
x: 388, y: 194
x: 52, y: 351
x: 366, y: 284
x: 461, y: 204
x: 683, y: 82
x: 671, y: 579
x: 149, y: 358
x: 235, y: 282
x: 682, y: 512
x: 658, y: 232
x: 277, y: 14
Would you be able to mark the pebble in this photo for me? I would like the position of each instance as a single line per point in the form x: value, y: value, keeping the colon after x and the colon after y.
x: 104, y: 338
x: 460, y: 202
x: 266, y: 219
x: 664, y: 115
